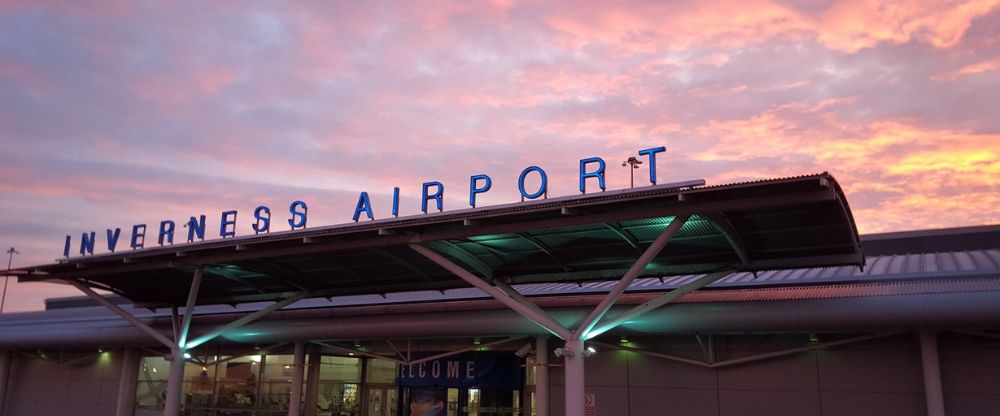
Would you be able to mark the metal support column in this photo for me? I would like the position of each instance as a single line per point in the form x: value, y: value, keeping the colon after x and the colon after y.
x: 932, y: 374
x: 6, y: 360
x: 312, y: 385
x: 573, y: 356
x: 298, y: 369
x: 541, y: 376
x: 529, y: 311
x: 633, y: 272
x: 127, y: 382
x: 175, y: 383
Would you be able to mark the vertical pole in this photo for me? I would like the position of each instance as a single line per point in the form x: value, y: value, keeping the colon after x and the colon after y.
x: 127, y: 382
x: 932, y: 374
x: 541, y: 376
x: 363, y: 391
x: 298, y: 369
x: 175, y: 383
x: 6, y: 360
x: 312, y: 385
x: 574, y: 370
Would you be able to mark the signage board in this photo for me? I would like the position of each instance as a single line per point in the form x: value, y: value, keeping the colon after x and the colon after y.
x: 488, y: 370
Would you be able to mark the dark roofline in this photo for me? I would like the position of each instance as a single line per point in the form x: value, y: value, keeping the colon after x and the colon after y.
x: 980, y: 237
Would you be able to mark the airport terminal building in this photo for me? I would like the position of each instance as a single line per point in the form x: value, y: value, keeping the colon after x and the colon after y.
x: 755, y: 298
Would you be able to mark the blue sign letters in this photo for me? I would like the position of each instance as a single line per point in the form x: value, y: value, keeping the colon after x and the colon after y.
x: 592, y: 167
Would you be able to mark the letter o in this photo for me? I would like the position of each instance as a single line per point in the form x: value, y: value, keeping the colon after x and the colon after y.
x: 541, y: 189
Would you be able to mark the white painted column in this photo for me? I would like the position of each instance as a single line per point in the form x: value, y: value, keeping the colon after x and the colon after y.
x: 541, y: 376
x: 933, y: 391
x: 6, y: 360
x: 127, y: 382
x: 312, y: 386
x: 175, y: 383
x: 298, y: 369
x: 575, y: 383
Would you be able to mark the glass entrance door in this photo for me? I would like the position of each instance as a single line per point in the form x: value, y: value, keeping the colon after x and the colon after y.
x: 381, y: 401
x: 492, y: 402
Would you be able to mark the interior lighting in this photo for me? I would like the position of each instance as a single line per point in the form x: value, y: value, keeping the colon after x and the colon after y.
x: 623, y: 339
x: 187, y: 356
x: 476, y: 341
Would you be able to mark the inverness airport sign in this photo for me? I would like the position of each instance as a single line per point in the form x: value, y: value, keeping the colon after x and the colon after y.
x: 592, y: 168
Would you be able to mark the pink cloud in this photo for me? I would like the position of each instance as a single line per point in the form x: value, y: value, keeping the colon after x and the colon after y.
x: 855, y: 24
x: 977, y: 68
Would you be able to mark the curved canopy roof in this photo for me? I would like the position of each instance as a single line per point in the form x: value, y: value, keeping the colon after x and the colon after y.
x: 772, y: 224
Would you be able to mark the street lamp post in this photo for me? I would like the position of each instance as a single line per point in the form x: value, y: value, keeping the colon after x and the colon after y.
x: 634, y: 163
x: 10, y: 259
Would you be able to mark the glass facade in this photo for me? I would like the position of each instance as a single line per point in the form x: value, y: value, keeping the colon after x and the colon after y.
x: 226, y: 385
x: 261, y: 385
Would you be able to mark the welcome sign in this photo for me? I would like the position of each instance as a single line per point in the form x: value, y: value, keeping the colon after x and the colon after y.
x: 592, y: 169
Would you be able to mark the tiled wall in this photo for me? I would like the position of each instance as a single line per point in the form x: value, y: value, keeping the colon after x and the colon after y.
x: 43, y: 387
x: 879, y: 377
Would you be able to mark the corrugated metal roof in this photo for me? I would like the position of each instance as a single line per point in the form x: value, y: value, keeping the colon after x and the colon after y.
x: 945, y: 272
x: 923, y: 266
x: 788, y: 223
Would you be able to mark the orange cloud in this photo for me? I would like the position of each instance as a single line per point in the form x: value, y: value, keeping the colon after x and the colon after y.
x: 856, y: 24
x: 978, y: 68
x: 919, y: 177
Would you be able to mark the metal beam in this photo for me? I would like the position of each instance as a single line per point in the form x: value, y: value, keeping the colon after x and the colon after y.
x: 545, y: 249
x: 748, y: 359
x: 543, y: 320
x: 244, y: 320
x: 242, y: 281
x: 256, y: 351
x: 286, y: 275
x: 402, y: 262
x: 729, y: 232
x: 189, y: 307
x: 617, y: 229
x: 121, y: 312
x: 396, y: 350
x: 461, y: 350
x: 358, y: 352
x: 519, y: 297
x: 463, y: 255
x: 657, y: 302
x: 651, y: 252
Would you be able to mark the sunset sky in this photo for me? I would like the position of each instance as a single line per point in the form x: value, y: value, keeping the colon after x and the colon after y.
x: 118, y: 113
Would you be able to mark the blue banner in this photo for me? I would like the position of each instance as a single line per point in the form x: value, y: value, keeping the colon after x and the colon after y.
x: 489, y: 370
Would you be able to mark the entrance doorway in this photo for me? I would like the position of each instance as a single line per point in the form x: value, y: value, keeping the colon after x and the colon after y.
x: 381, y: 400
x: 493, y: 402
x: 459, y: 402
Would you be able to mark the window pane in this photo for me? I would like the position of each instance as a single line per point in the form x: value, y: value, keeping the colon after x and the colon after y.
x: 154, y: 369
x: 381, y: 371
x: 344, y: 369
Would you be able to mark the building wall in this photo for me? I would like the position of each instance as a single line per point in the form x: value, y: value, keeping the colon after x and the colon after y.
x: 878, y: 377
x: 43, y: 387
